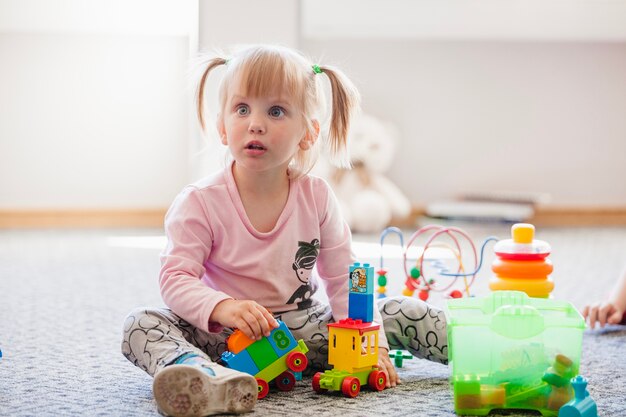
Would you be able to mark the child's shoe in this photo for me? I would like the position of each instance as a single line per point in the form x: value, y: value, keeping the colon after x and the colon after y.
x: 183, y: 390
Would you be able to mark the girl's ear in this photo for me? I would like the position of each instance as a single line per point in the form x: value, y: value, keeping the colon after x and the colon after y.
x: 310, y: 137
x: 221, y: 129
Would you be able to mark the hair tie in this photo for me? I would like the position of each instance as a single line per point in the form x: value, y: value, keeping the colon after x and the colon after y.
x: 317, y: 69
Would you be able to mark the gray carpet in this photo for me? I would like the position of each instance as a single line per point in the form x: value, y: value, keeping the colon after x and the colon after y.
x: 64, y: 294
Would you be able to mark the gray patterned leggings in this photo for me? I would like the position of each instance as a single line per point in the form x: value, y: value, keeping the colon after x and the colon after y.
x: 154, y: 338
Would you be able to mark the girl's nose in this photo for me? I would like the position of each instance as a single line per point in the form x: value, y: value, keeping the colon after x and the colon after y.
x: 256, y: 127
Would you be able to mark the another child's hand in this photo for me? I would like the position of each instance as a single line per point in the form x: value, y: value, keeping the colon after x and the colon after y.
x: 386, y: 365
x: 604, y: 313
x: 254, y: 320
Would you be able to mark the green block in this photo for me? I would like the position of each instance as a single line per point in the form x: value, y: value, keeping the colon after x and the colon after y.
x: 278, y: 367
x: 466, y: 386
x: 262, y: 353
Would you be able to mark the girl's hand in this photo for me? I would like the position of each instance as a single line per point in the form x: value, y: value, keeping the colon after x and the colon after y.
x: 605, y: 313
x: 254, y: 320
x: 386, y: 365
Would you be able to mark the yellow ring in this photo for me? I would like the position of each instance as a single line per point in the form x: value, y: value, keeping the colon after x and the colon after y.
x: 533, y: 287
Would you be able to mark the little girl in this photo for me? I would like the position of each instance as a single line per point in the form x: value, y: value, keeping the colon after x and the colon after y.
x: 242, y: 243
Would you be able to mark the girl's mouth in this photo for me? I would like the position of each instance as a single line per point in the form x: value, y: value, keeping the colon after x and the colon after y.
x: 255, y: 146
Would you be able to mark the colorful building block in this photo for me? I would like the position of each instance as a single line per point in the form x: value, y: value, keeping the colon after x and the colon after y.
x: 362, y: 278
x: 241, y: 361
x: 238, y: 341
x: 262, y: 353
x: 361, y: 295
x: 361, y: 307
x: 280, y: 340
x: 399, y: 356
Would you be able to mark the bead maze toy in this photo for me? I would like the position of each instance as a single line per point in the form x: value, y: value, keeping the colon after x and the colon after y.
x: 511, y: 351
x: 277, y: 357
x: 417, y: 278
x: 521, y: 263
x: 353, y: 342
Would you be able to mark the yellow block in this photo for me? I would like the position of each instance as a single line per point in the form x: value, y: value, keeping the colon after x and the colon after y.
x: 348, y: 350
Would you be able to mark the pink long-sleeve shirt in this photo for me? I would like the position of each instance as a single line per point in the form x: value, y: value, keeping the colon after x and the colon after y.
x: 214, y: 253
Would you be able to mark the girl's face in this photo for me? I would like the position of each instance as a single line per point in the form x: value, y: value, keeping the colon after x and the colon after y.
x: 262, y: 133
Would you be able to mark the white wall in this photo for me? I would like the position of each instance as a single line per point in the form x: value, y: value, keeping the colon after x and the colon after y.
x: 488, y: 115
x: 94, y: 106
x: 489, y: 95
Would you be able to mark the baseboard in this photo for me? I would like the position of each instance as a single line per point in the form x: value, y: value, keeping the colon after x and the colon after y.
x: 557, y: 216
x: 32, y: 219
x: 573, y: 216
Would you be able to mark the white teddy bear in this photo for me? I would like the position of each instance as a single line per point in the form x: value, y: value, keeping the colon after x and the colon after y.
x: 369, y: 200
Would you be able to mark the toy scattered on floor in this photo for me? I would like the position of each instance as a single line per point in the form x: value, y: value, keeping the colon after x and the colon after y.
x: 417, y: 279
x: 353, y: 342
x: 582, y: 405
x: 522, y: 264
x: 399, y: 356
x: 511, y: 351
x: 277, y: 357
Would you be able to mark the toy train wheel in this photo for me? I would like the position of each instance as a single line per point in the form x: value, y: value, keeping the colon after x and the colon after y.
x: 297, y: 361
x: 316, y: 382
x: 285, y: 381
x: 350, y: 386
x: 263, y: 387
x: 377, y: 380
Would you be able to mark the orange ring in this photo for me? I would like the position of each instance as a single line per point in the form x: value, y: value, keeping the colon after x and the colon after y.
x: 522, y: 269
x: 533, y: 287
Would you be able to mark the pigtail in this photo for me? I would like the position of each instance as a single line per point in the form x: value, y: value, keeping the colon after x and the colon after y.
x: 345, y: 103
x: 211, y: 64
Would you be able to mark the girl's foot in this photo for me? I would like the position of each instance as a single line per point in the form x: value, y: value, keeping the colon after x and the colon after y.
x: 199, y: 390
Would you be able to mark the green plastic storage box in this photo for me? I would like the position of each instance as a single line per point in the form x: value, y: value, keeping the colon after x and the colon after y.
x: 508, y: 350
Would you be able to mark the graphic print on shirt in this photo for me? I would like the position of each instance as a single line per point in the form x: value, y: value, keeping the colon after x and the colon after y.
x: 303, y: 267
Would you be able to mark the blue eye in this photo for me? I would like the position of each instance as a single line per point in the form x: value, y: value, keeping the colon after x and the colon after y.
x: 276, y: 111
x: 242, y: 110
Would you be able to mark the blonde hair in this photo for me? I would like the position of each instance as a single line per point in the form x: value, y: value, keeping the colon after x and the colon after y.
x: 262, y: 69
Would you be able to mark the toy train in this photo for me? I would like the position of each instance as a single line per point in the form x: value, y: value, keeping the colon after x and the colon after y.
x: 273, y: 358
x: 353, y: 342
x: 353, y: 351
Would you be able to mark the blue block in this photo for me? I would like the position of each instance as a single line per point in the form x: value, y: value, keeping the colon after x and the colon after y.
x: 241, y: 361
x: 279, y: 337
x: 361, y: 306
